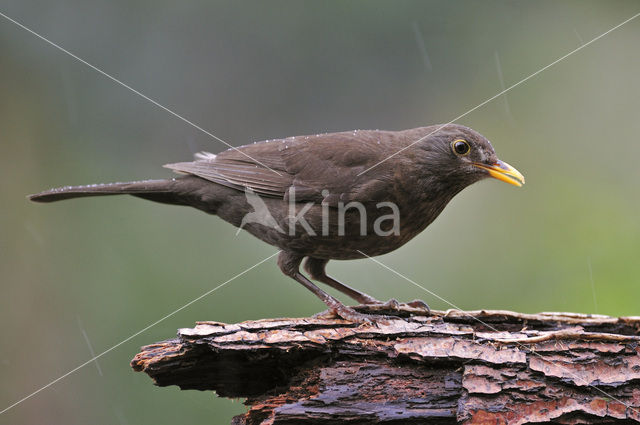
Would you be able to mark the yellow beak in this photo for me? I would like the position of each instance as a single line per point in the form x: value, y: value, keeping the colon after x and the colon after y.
x: 503, y: 171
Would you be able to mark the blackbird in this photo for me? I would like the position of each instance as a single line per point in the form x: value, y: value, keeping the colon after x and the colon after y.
x: 330, y: 196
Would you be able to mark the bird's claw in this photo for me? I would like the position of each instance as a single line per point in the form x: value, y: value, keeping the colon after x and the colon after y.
x: 419, y: 304
x: 392, y: 304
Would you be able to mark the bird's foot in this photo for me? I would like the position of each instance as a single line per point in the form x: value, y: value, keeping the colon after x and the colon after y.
x: 394, y: 307
x: 391, y: 304
x: 419, y: 304
x: 348, y: 313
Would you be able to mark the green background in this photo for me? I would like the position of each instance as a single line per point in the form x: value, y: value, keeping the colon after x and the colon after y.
x: 246, y: 71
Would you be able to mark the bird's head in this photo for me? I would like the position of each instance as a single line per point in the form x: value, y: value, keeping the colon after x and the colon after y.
x: 461, y: 156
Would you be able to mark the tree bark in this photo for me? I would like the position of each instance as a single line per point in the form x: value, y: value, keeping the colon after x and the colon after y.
x: 479, y: 367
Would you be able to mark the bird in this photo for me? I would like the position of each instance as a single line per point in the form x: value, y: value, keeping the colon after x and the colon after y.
x: 330, y: 196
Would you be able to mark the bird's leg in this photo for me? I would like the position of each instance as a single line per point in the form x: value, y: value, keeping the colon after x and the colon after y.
x: 316, y: 269
x: 290, y: 265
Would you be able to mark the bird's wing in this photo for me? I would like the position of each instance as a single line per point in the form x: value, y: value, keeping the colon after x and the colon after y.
x: 311, y: 168
x: 264, y: 175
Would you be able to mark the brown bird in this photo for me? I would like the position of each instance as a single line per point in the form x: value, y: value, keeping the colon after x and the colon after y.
x: 329, y: 196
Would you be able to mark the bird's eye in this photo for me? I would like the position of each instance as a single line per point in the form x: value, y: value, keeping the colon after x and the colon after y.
x: 460, y: 147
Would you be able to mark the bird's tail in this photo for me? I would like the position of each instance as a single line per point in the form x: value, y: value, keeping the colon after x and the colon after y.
x: 155, y: 190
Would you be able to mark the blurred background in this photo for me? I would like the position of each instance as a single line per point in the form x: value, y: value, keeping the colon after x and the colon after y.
x: 78, y: 277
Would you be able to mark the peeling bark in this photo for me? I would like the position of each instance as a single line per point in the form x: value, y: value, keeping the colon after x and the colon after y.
x: 479, y: 367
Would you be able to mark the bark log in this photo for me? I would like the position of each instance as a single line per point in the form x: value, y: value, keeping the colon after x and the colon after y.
x: 479, y: 367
